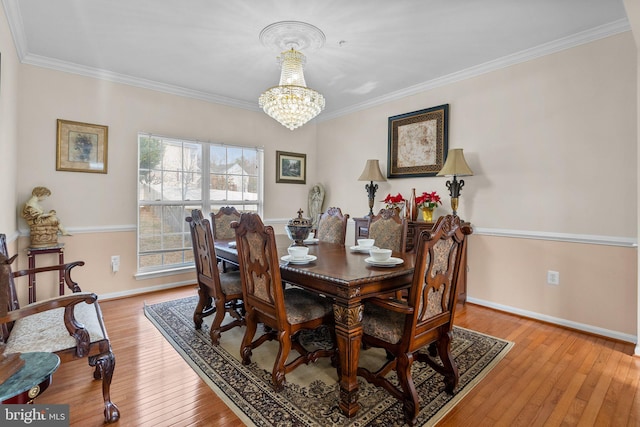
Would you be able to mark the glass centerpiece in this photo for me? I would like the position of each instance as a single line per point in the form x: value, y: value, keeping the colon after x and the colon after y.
x: 298, y: 229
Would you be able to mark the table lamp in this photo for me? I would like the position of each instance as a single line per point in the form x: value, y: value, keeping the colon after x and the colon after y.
x: 455, y: 166
x: 371, y: 173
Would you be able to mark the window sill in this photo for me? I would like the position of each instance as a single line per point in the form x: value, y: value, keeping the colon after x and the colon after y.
x: 163, y: 273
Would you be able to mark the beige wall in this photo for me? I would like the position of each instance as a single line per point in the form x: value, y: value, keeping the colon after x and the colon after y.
x: 552, y: 142
x: 553, y: 146
x: 9, y: 67
x: 548, y: 140
x: 100, y: 209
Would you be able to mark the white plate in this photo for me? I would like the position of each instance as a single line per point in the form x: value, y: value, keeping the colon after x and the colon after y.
x: 391, y: 262
x: 312, y: 241
x: 305, y: 260
x: 362, y: 249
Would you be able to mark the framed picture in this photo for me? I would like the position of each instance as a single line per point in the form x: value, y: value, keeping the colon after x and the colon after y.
x: 82, y: 147
x: 418, y: 142
x: 291, y: 168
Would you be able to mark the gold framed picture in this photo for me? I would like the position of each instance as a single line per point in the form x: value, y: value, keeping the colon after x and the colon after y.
x: 81, y: 147
x: 291, y: 168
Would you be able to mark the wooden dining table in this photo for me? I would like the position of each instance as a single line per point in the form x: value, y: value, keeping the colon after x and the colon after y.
x: 342, y: 274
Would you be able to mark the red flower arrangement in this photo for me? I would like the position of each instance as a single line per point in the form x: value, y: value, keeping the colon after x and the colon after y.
x: 428, y: 200
x: 394, y: 201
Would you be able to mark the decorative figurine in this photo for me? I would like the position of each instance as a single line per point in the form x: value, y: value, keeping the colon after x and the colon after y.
x: 44, y: 226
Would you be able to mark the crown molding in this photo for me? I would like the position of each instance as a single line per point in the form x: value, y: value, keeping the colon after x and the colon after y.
x: 606, y: 30
x: 70, y: 67
x: 12, y: 10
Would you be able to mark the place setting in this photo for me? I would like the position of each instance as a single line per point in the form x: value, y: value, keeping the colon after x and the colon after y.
x: 298, y: 255
x: 364, y: 246
x: 382, y: 258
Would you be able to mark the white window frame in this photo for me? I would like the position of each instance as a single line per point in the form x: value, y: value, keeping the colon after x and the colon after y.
x: 206, y: 204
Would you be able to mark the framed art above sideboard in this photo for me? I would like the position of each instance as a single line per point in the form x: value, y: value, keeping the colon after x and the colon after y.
x: 418, y: 142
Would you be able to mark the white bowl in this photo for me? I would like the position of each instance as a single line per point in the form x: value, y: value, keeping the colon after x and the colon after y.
x: 298, y: 252
x: 365, y: 243
x: 380, y: 254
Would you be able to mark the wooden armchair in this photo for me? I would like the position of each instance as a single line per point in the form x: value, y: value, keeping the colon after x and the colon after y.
x: 70, y: 326
x: 403, y: 328
x: 284, y: 312
x: 388, y: 230
x: 225, y: 290
x: 332, y: 226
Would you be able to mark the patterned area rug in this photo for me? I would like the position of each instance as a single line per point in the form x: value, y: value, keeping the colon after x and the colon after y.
x: 311, y: 393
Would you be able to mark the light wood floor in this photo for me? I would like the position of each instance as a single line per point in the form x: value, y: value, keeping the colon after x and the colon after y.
x: 552, y: 376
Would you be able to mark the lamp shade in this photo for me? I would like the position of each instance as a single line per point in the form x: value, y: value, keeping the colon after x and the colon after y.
x: 372, y: 172
x: 455, y: 165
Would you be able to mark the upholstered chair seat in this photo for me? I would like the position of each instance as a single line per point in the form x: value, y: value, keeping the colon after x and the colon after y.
x: 230, y: 283
x: 382, y: 323
x: 46, y: 332
x: 302, y: 306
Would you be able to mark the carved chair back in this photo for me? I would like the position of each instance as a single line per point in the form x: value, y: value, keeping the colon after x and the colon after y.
x: 388, y: 230
x: 283, y: 312
x: 218, y: 294
x: 424, y: 319
x: 433, y: 293
x: 221, y: 223
x: 204, y: 253
x: 332, y: 226
x: 260, y: 269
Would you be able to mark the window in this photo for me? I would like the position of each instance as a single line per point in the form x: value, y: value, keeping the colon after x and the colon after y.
x: 176, y: 176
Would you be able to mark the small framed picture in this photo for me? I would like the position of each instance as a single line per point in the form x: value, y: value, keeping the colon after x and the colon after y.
x: 81, y: 147
x: 291, y: 168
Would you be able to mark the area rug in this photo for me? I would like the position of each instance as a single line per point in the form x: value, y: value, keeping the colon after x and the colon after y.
x: 311, y: 392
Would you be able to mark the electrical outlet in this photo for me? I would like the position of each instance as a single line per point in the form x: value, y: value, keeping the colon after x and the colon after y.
x: 553, y: 277
x: 115, y: 263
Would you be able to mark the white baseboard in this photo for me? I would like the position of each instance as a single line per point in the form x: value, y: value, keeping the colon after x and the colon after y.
x: 558, y: 321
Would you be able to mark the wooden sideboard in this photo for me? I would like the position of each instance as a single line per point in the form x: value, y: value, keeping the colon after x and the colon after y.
x: 413, y: 231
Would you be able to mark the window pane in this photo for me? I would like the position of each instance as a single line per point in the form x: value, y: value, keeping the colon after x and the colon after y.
x: 172, y: 186
x: 250, y: 163
x: 251, y: 188
x: 172, y: 159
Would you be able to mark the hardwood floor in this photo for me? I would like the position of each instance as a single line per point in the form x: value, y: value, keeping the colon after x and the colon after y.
x: 552, y: 376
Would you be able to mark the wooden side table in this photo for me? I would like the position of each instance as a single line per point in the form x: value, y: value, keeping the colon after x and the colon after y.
x: 31, y: 256
x: 30, y: 381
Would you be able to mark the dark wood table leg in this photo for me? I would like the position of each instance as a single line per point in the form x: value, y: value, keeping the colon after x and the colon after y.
x: 348, y: 320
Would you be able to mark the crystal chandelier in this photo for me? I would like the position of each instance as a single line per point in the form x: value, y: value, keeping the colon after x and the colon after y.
x: 292, y: 103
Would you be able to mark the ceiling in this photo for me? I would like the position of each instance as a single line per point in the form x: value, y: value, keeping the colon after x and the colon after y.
x: 375, y: 50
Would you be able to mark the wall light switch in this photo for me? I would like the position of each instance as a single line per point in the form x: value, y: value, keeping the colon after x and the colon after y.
x: 115, y: 263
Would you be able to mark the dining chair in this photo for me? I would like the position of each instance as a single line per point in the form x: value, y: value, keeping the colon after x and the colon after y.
x: 221, y: 224
x: 388, y: 230
x: 71, y: 326
x: 218, y: 294
x: 405, y: 328
x: 332, y: 226
x: 284, y: 312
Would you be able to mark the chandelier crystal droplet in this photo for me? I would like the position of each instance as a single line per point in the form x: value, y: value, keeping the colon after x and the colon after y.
x: 291, y: 103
